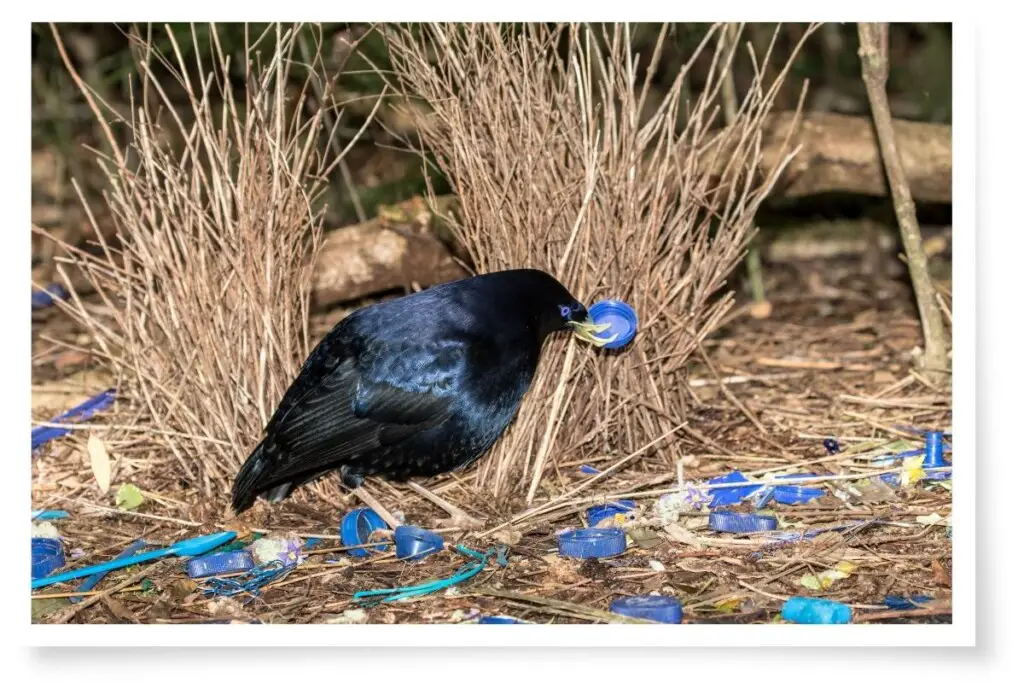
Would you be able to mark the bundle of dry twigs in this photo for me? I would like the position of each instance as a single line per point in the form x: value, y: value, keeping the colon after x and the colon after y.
x: 566, y: 163
x: 206, y: 282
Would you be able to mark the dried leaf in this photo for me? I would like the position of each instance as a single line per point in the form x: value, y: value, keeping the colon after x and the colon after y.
x: 99, y: 461
x: 825, y: 579
x: 729, y: 605
x: 129, y: 497
x: 677, y: 533
x: 941, y: 575
x: 509, y: 537
x: 934, y: 518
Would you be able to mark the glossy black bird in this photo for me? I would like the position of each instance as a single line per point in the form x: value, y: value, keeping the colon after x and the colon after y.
x: 412, y: 387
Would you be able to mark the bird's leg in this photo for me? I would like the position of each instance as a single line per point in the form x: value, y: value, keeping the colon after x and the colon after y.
x: 460, y: 517
x: 354, y: 483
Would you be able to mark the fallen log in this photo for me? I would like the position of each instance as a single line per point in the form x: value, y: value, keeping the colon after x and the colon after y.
x: 840, y: 154
x: 395, y: 250
x: 405, y: 245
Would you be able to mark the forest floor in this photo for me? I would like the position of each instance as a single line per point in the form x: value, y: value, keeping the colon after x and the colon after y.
x: 833, y: 361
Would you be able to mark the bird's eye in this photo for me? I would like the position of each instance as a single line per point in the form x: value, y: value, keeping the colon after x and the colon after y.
x: 565, y: 311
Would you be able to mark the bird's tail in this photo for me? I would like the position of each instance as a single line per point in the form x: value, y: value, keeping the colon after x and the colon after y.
x: 252, y: 477
x: 257, y: 477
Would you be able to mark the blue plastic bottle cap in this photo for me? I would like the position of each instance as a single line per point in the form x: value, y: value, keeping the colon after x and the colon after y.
x: 663, y: 608
x: 356, y: 527
x: 730, y: 495
x: 801, y: 610
x: 797, y: 495
x: 598, y: 512
x: 620, y: 316
x: 587, y: 543
x: 47, y: 556
x: 414, y: 543
x: 832, y: 446
x: 498, y: 620
x: 740, y: 523
x: 933, y: 448
x: 219, y: 563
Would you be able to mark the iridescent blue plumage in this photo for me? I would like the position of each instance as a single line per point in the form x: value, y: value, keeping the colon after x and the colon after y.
x: 416, y: 386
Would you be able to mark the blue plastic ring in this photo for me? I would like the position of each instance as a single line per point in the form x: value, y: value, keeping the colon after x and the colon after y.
x: 356, y: 528
x: 587, y: 543
x: 740, y: 523
x: 220, y: 563
x: 663, y: 608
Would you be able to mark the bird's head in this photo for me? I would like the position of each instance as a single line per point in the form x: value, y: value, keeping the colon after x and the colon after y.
x: 539, y: 298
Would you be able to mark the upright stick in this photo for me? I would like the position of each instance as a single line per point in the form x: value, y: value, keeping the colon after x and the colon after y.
x: 874, y: 57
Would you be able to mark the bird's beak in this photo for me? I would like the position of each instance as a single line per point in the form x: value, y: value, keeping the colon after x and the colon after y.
x: 588, y: 331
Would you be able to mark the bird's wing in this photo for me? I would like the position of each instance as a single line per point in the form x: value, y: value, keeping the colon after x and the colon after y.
x: 362, y: 405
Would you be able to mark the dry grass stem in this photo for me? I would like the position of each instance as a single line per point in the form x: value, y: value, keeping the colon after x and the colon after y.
x: 562, y: 160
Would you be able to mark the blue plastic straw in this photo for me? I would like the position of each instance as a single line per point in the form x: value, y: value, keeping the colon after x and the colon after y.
x: 476, y: 564
x: 83, y: 411
x: 46, y: 515
x: 186, y: 548
x: 93, y: 580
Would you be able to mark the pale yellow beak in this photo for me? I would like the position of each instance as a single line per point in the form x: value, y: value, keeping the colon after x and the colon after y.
x: 588, y: 331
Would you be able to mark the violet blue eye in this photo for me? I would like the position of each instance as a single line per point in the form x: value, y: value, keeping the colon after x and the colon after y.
x: 564, y: 310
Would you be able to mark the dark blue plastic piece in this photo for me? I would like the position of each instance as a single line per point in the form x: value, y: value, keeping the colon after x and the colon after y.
x: 730, y: 495
x: 741, y: 523
x: 933, y: 449
x: 93, y: 580
x: 498, y: 620
x: 47, y: 556
x: 802, y: 610
x: 797, y: 495
x: 598, y: 512
x: 890, y: 478
x: 44, y: 298
x: 356, y: 527
x: 620, y: 316
x: 414, y: 543
x: 587, y: 543
x: 588, y: 469
x: 908, y: 602
x: 83, y: 411
x: 663, y: 608
x: 832, y: 446
x: 220, y: 563
x: 190, y: 547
